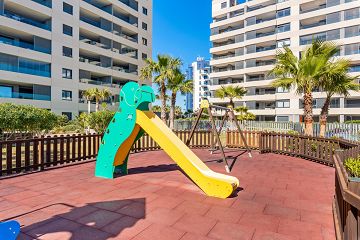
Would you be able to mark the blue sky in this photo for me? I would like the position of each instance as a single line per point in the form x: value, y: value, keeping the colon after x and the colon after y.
x: 181, y: 29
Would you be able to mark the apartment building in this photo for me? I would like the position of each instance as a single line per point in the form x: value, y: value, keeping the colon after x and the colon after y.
x: 200, y: 71
x: 246, y: 35
x: 189, y: 97
x: 53, y: 50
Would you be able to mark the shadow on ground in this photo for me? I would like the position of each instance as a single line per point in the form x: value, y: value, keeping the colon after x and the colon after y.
x: 98, y: 220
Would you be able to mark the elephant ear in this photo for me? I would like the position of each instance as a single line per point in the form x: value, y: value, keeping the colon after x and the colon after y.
x: 9, y: 230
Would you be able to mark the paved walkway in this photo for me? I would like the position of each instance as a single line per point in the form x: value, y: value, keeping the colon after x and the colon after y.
x: 281, y: 198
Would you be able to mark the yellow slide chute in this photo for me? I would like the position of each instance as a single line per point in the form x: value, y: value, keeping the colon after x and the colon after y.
x: 212, y: 183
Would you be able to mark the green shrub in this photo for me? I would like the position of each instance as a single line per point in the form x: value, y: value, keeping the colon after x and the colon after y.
x: 293, y: 132
x: 352, y: 165
x: 99, y: 121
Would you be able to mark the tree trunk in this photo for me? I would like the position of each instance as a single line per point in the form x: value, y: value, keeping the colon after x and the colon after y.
x: 163, y: 101
x: 172, y: 110
x: 97, y: 106
x: 89, y: 106
x: 324, y: 115
x: 308, y: 112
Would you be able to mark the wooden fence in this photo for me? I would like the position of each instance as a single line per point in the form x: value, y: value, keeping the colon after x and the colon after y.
x: 34, y: 154
x: 314, y: 148
x: 346, y: 206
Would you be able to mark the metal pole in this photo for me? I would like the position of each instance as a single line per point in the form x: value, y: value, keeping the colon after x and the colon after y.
x: 194, y: 127
x: 227, y: 168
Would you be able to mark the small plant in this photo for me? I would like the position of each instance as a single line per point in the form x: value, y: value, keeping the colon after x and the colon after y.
x: 314, y: 147
x: 352, y: 165
x: 293, y: 132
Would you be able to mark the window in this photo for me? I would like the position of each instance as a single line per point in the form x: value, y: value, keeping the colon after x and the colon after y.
x: 144, y: 56
x: 282, y: 118
x: 145, y: 11
x: 283, y: 103
x: 282, y: 90
x: 67, y: 52
x: 223, y: 5
x: 283, y: 43
x: 283, y: 13
x: 144, y: 41
x: 283, y: 28
x: 6, y: 92
x: 67, y: 73
x: 67, y: 8
x: 68, y: 115
x: 66, y: 95
x: 144, y: 26
x: 67, y: 30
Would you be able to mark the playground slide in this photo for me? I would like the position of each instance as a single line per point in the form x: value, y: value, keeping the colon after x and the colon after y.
x: 212, y: 183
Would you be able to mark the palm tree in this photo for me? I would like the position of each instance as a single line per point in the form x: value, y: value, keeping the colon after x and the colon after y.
x: 335, y: 81
x: 156, y: 108
x: 304, y: 73
x: 88, y: 95
x: 244, y: 113
x: 177, y: 83
x: 104, y: 95
x: 231, y: 93
x: 162, y: 71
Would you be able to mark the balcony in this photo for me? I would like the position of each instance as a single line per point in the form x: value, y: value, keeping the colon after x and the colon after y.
x: 99, y: 83
x: 29, y: 96
x: 130, y: 3
x: 28, y: 67
x: 311, y: 25
x: 46, y: 3
x: 26, y: 20
x: 22, y: 44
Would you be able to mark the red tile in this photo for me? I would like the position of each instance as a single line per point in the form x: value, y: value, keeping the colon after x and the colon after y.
x: 193, y: 207
x: 164, y: 216
x: 224, y: 214
x: 99, y: 218
x: 272, y: 236
x: 248, y: 206
x: 191, y: 236
x: 195, y: 224
x: 126, y: 227
x: 316, y: 217
x: 135, y: 209
x: 160, y: 232
x: 231, y: 231
x: 283, y: 212
x: 301, y: 229
x: 260, y: 221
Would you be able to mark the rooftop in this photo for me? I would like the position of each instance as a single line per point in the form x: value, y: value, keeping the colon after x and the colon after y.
x: 281, y: 197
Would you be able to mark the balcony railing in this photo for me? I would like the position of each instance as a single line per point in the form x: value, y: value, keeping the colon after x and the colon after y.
x: 46, y: 3
x: 25, y: 45
x: 99, y: 83
x: 29, y: 21
x: 25, y: 70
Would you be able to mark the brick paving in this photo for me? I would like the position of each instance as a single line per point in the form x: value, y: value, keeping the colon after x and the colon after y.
x: 280, y: 197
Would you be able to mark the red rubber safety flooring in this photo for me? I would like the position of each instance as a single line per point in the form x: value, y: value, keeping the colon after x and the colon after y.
x: 280, y: 197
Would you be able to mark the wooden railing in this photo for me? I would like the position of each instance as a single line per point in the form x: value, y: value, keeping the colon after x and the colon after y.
x: 34, y: 154
x: 346, y: 206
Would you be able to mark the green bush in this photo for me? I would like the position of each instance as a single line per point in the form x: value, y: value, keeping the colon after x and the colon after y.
x: 293, y: 132
x: 27, y: 119
x: 353, y: 166
x: 99, y: 121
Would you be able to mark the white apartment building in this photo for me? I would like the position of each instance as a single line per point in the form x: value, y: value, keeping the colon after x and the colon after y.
x: 246, y: 35
x: 53, y: 50
x: 200, y: 70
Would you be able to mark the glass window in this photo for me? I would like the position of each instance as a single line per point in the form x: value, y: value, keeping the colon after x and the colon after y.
x: 144, y: 26
x: 223, y: 5
x: 283, y: 13
x: 67, y: 52
x: 352, y: 13
x: 283, y: 28
x: 6, y: 92
x: 283, y: 43
x: 144, y: 56
x: 144, y: 41
x: 283, y: 103
x: 68, y: 8
x: 282, y: 118
x: 67, y: 30
x: 67, y: 73
x: 352, y: 31
x: 66, y: 95
x: 145, y: 11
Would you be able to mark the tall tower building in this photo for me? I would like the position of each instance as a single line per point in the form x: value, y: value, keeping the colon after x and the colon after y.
x: 53, y: 50
x: 200, y: 76
x: 246, y: 35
